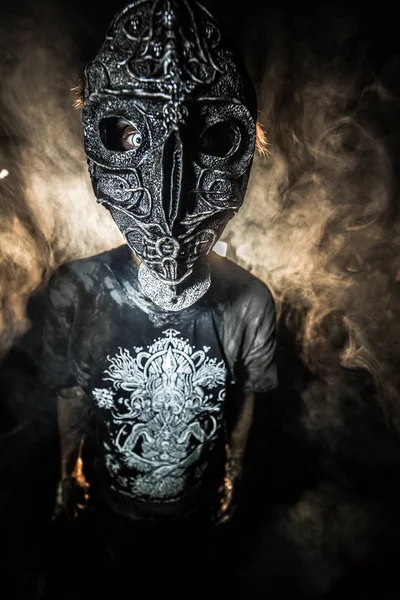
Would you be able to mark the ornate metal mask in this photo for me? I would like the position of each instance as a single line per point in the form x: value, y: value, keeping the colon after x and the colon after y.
x: 169, y: 127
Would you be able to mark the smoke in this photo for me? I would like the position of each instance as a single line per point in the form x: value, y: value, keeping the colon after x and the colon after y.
x: 49, y: 214
x: 320, y: 226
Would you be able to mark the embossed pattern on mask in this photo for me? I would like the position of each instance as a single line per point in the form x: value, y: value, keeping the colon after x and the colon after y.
x: 165, y: 69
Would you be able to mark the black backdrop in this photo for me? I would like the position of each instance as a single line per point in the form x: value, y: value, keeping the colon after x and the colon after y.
x: 322, y: 520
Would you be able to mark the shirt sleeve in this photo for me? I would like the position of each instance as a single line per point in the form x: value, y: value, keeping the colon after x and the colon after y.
x: 258, y: 359
x: 31, y: 375
x: 42, y: 353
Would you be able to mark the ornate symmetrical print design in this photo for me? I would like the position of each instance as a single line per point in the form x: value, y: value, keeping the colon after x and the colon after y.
x: 162, y: 429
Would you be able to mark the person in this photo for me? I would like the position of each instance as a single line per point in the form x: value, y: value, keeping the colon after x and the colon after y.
x: 159, y: 351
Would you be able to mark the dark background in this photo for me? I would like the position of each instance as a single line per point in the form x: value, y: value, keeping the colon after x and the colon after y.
x: 321, y: 516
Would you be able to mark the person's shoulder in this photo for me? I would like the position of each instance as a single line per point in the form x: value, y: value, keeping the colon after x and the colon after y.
x: 84, y: 268
x: 79, y: 277
x: 237, y: 285
x: 87, y: 271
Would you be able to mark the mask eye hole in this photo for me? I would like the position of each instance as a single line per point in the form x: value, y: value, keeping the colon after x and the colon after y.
x: 120, y: 135
x: 220, y: 140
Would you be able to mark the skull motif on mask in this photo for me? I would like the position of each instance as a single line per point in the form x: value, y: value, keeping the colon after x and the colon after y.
x: 169, y: 129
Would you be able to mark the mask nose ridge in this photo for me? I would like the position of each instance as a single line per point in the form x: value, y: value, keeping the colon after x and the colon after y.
x: 172, y: 169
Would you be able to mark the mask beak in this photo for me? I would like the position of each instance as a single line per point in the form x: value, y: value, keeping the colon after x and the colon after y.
x: 172, y: 185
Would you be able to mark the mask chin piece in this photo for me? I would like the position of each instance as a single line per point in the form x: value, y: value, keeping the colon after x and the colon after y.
x: 175, y: 297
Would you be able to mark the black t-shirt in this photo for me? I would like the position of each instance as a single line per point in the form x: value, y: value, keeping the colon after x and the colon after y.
x: 161, y: 384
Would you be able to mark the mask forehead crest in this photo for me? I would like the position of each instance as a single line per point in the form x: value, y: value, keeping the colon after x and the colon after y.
x: 169, y: 49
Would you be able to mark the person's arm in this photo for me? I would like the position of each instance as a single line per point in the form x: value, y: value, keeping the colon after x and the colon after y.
x: 34, y: 371
x: 259, y: 379
x: 73, y: 422
x: 236, y: 446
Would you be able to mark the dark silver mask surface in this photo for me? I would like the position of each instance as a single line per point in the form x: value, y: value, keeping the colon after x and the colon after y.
x: 169, y: 128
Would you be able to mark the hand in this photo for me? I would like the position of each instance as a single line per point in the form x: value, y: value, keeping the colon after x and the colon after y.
x: 75, y: 497
x: 229, y: 491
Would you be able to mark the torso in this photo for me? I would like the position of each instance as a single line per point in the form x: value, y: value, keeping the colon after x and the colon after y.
x: 161, y: 384
x: 157, y: 382
x: 158, y: 402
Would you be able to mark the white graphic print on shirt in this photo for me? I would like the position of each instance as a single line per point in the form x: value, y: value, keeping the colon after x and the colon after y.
x: 171, y: 415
